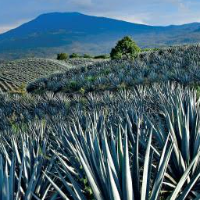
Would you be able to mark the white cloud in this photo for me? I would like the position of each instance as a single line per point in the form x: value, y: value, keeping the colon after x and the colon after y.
x: 5, y: 28
x: 141, y: 18
x: 84, y: 3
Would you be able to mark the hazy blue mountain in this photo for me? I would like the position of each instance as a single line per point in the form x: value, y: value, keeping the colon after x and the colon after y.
x: 51, y: 33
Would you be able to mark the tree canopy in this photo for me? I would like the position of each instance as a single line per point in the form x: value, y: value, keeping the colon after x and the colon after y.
x: 126, y: 48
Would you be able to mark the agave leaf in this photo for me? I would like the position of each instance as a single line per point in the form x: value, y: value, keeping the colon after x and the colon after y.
x: 164, y: 160
x: 73, y: 194
x: 36, y: 197
x: 115, y: 193
x: 99, y: 163
x: 110, y: 161
x: 57, y: 188
x: 197, y: 197
x: 54, y: 196
x: 33, y: 178
x: 189, y: 187
x: 127, y: 180
x: 74, y: 183
x: 91, y: 179
x: 5, y: 188
x: 177, y: 154
x: 16, y: 151
x: 184, y: 178
x: 25, y: 167
x: 20, y: 179
x: 11, y: 179
x: 146, y: 167
x: 42, y: 184
x: 114, y: 152
x: 185, y: 140
x: 120, y: 149
x: 136, y: 170
x: 1, y: 176
x: 46, y: 192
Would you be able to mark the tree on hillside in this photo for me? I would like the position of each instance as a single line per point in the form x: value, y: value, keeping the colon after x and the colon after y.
x: 87, y: 56
x: 62, y: 56
x: 126, y: 48
x: 74, y: 55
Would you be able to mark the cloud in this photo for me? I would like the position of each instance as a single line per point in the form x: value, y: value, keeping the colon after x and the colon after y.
x: 82, y: 3
x: 140, y: 18
x: 5, y: 28
x: 180, y: 4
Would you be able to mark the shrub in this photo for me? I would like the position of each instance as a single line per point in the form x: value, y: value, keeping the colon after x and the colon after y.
x: 125, y: 49
x: 73, y: 85
x: 149, y: 49
x: 74, y: 55
x: 104, y: 56
x: 90, y: 78
x: 87, y: 56
x: 62, y: 56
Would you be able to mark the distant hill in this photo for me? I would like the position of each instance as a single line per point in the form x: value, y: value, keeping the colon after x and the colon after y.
x: 51, y: 33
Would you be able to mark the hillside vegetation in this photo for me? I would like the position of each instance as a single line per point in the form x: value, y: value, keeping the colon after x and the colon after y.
x: 103, y: 130
x: 17, y: 74
x: 93, y: 144
x: 179, y: 64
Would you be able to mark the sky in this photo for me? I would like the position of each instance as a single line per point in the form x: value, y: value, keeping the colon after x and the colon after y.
x: 152, y: 12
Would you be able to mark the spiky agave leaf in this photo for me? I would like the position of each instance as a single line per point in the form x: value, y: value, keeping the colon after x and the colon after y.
x: 182, y: 122
x: 21, y: 176
x: 106, y: 179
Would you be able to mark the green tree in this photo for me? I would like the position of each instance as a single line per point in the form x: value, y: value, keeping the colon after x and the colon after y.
x: 126, y: 48
x: 74, y: 55
x: 62, y: 56
x: 104, y: 56
x: 87, y: 56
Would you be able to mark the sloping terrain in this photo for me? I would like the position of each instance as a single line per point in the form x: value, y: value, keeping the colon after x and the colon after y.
x: 19, y: 73
x: 139, y: 141
x: 51, y: 33
x: 180, y: 64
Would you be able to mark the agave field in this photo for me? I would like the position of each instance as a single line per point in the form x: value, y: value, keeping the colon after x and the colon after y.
x: 131, y: 144
x: 179, y: 64
x: 18, y: 73
x: 108, y: 130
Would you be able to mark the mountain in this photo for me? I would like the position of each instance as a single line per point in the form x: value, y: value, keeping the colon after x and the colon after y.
x: 51, y: 33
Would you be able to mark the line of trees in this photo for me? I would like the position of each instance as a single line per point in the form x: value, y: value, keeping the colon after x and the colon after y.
x: 125, y: 48
x: 65, y: 56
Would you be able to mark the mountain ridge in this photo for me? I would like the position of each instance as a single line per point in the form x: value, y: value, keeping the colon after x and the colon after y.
x: 51, y: 33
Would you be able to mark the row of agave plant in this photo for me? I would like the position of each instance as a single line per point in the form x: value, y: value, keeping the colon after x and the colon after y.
x: 18, y: 73
x: 16, y: 109
x: 180, y: 64
x: 120, y: 153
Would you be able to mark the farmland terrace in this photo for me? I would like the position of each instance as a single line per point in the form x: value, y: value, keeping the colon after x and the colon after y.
x: 18, y: 73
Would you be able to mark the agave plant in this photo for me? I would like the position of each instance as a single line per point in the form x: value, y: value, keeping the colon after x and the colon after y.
x: 113, y: 165
x: 22, y: 163
x: 104, y: 150
x: 180, y: 118
x: 178, y: 64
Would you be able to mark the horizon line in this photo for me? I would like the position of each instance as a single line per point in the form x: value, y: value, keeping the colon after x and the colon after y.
x: 8, y: 28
